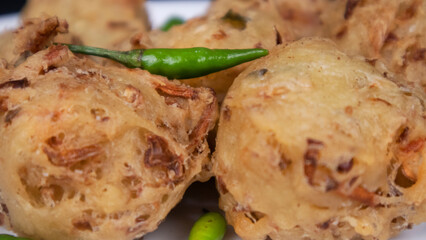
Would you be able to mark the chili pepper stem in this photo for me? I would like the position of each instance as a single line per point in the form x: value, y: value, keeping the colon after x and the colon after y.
x: 119, y: 56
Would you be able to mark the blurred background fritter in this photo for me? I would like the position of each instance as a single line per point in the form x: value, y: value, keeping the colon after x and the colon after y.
x: 92, y: 152
x: 390, y: 33
x: 34, y: 35
x: 303, y: 15
x: 99, y: 23
x: 314, y: 144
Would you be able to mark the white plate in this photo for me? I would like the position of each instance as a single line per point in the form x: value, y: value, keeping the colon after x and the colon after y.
x: 199, y: 196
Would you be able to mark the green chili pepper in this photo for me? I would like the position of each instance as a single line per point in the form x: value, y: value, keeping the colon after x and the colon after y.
x: 210, y: 226
x: 176, y: 63
x: 10, y: 237
x: 173, y: 21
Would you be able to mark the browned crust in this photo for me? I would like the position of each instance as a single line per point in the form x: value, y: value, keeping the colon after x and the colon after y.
x: 311, y: 157
x: 350, y: 6
x: 324, y: 225
x: 34, y: 35
x: 3, y: 104
x: 342, y: 32
x: 2, y: 219
x: 346, y: 166
x: 203, y: 124
x: 391, y: 37
x: 221, y: 185
x: 417, y: 55
x: 21, y: 83
x: 176, y: 90
x: 404, y: 134
x: 67, y: 157
x: 219, y: 35
x: 414, y: 145
x: 226, y: 113
x: 411, y: 11
x: 82, y: 225
x: 278, y: 38
x: 362, y: 195
x: 158, y: 155
x: 381, y: 100
x: 10, y: 115
x: 54, y: 53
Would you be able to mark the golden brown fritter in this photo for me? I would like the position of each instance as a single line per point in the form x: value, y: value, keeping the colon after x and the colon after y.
x: 391, y: 33
x: 404, y: 50
x: 99, y: 23
x: 303, y: 15
x: 314, y: 144
x: 357, y: 27
x: 90, y: 152
x: 229, y: 24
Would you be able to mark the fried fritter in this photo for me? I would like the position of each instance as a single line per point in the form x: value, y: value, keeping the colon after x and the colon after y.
x: 92, y: 152
x: 390, y: 33
x: 229, y: 24
x: 99, y: 23
x: 313, y: 144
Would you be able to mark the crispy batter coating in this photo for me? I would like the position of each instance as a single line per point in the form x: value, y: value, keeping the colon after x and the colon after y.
x: 229, y: 24
x: 99, y: 23
x: 90, y: 152
x: 313, y: 144
x: 391, y: 33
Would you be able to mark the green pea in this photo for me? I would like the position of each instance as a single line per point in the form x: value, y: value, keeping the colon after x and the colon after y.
x: 10, y: 237
x: 210, y: 226
x: 173, y: 21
